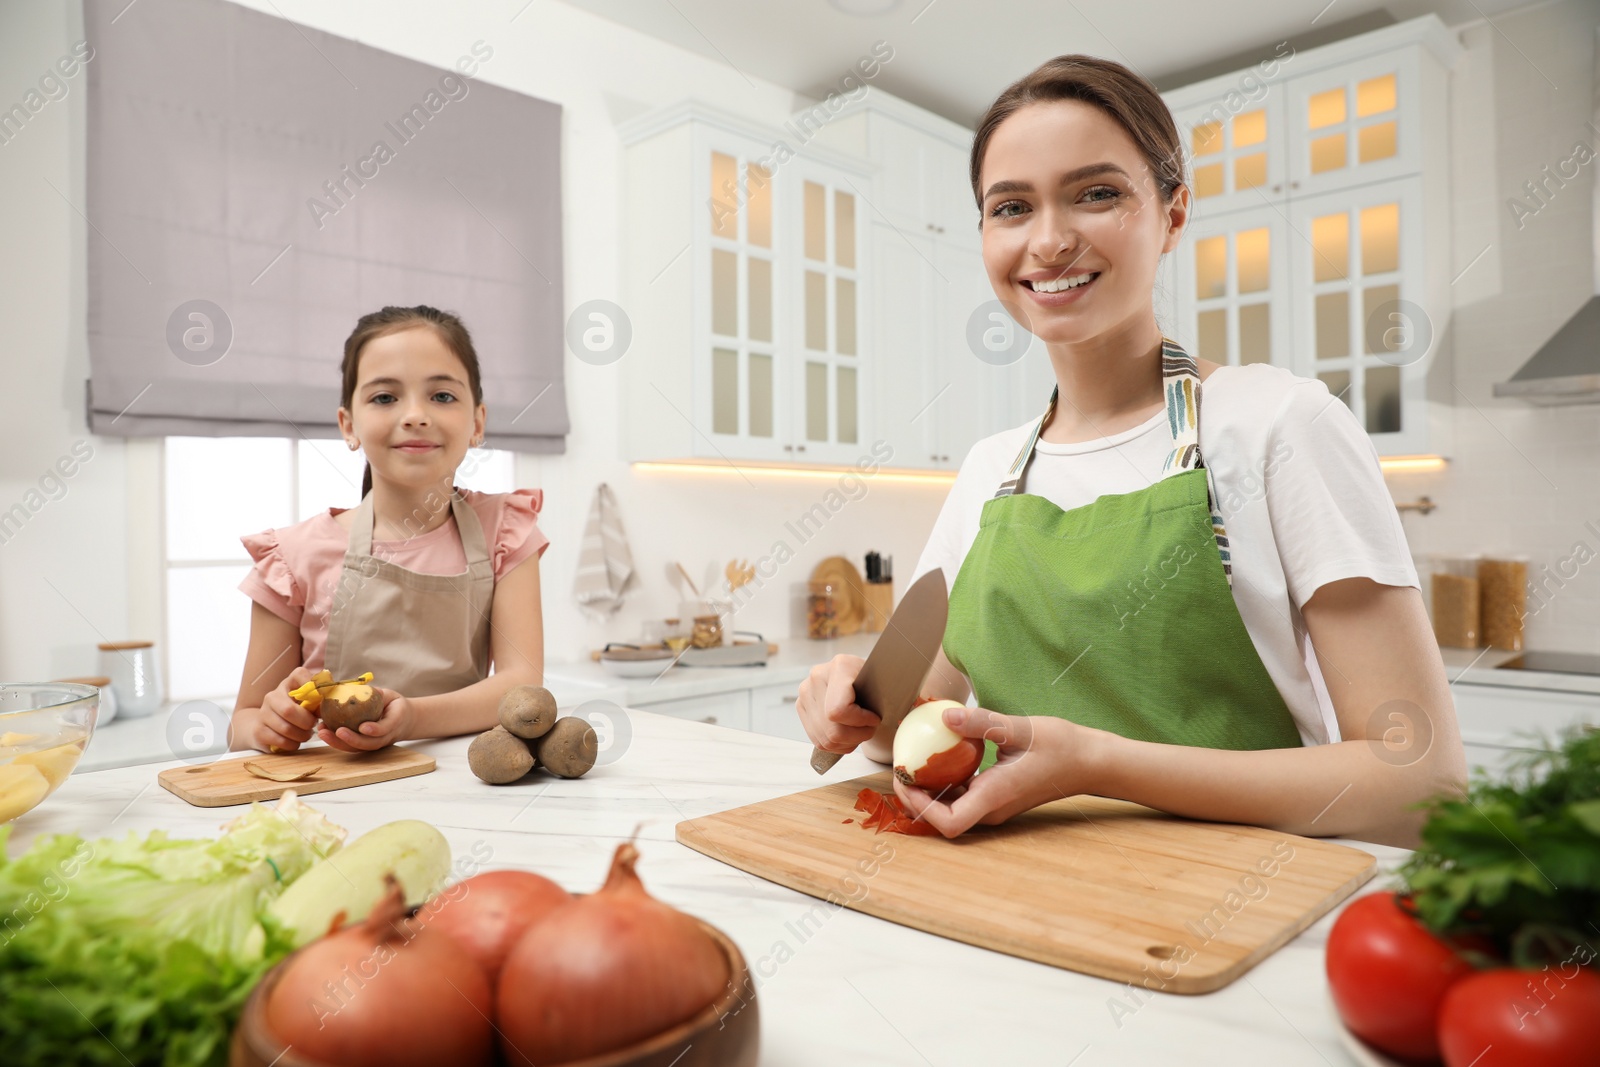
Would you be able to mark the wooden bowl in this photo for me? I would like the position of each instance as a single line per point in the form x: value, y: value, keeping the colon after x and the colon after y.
x: 726, y: 1034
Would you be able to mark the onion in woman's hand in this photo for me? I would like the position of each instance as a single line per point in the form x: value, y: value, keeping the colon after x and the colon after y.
x: 930, y: 755
x: 605, y: 971
x: 384, y: 992
x: 488, y: 913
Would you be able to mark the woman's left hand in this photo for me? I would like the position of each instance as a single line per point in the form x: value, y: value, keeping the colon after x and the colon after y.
x: 384, y: 730
x: 1040, y: 759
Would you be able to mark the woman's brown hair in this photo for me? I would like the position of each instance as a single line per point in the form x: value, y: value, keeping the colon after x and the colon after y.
x: 392, y: 320
x: 1128, y: 98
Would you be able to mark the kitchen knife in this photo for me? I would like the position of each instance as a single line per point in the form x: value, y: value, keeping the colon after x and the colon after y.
x: 889, y: 680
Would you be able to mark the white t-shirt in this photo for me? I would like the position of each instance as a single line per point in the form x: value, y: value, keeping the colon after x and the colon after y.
x: 1298, y: 484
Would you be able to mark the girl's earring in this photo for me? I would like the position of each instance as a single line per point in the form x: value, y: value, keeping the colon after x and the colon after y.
x: 354, y: 445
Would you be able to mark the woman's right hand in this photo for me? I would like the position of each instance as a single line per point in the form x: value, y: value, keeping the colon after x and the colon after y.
x: 827, y: 706
x: 281, y: 724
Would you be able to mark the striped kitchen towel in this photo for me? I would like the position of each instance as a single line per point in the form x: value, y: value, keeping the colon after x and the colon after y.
x: 605, y: 563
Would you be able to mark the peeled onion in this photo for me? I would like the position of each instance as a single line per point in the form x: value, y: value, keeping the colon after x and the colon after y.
x: 605, y: 971
x: 488, y: 913
x: 930, y: 755
x: 384, y: 992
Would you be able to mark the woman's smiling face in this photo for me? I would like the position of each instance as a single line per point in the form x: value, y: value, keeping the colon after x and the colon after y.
x: 412, y: 410
x: 1067, y: 195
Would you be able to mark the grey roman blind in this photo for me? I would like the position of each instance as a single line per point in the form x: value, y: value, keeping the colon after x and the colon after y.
x: 256, y: 185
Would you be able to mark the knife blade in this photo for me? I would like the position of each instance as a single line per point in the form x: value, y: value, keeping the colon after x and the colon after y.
x: 893, y: 672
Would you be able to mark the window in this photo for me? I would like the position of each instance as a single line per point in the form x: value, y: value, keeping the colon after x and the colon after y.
x: 219, y: 488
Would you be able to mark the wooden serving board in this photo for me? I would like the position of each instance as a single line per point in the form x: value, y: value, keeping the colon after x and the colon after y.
x: 1099, y: 886
x: 225, y: 782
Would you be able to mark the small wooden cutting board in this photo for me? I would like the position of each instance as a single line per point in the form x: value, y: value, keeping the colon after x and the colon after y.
x: 1094, y: 885
x: 225, y: 782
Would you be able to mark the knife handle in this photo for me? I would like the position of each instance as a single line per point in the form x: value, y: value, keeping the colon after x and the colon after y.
x: 822, y: 762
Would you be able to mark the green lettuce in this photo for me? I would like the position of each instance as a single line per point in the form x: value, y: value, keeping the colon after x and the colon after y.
x: 142, y: 950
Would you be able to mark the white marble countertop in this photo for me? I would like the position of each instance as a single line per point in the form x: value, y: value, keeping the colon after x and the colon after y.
x: 859, y: 989
x: 126, y: 742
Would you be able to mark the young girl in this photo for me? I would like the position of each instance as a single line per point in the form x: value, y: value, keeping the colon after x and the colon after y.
x: 422, y: 584
x: 1206, y: 608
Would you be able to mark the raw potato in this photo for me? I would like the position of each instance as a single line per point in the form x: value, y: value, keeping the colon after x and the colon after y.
x: 350, y: 704
x: 528, y: 711
x: 22, y: 785
x: 499, y: 757
x: 55, y: 762
x: 569, y: 749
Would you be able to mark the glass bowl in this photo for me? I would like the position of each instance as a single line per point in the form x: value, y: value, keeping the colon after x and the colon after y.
x: 44, y: 729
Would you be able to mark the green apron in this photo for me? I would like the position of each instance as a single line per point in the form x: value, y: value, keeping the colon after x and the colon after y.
x: 1119, y: 614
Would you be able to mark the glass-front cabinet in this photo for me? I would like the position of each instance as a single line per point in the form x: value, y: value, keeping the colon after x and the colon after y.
x: 1320, y: 235
x: 744, y: 294
x: 1234, y: 270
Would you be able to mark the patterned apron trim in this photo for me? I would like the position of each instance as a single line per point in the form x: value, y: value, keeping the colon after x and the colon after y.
x: 1180, y: 376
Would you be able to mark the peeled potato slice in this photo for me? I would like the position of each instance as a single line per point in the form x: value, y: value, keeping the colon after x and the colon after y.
x: 55, y: 763
x: 279, y: 774
x: 21, y: 787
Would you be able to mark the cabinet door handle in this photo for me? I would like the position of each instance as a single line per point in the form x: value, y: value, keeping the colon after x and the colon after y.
x: 710, y: 720
x: 934, y: 457
x: 788, y: 448
x: 800, y: 448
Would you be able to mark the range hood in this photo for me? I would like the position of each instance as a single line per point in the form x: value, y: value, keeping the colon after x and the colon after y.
x: 1566, y: 368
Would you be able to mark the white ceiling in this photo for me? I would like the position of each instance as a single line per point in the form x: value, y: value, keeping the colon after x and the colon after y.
x: 953, y: 57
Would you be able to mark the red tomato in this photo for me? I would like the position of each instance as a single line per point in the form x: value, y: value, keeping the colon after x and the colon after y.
x: 1516, y: 1018
x: 1388, y: 974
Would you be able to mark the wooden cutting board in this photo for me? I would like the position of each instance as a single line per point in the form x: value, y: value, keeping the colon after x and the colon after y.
x: 1099, y: 886
x: 225, y: 782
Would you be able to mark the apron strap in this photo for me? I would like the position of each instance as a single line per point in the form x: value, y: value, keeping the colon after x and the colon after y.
x: 473, y: 544
x: 1180, y: 380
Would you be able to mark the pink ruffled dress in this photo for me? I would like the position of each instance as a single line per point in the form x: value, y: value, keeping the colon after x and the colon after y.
x: 297, y: 567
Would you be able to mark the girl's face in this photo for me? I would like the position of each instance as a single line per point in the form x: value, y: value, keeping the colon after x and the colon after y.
x: 412, y: 409
x: 1067, y: 194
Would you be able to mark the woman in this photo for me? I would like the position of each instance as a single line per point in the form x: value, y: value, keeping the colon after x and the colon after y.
x: 1207, y: 608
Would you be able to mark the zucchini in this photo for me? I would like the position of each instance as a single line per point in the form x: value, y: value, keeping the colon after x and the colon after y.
x: 351, y: 880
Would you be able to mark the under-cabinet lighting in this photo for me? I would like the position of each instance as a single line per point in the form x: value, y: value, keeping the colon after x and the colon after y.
x: 882, y: 474
x: 1411, y: 464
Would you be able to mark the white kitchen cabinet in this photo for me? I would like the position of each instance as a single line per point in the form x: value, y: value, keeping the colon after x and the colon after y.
x: 937, y: 397
x: 744, y: 290
x: 920, y: 163
x: 1320, y: 235
x: 1494, y: 760
x: 730, y: 709
x: 1509, y: 716
x: 1233, y: 270
x: 772, y: 711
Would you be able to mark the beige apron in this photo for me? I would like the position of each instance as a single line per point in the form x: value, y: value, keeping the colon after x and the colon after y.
x: 419, y: 634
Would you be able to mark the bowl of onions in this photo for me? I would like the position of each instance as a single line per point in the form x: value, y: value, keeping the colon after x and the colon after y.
x: 507, y: 969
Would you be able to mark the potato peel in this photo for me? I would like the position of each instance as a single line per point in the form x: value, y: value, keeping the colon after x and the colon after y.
x: 261, y: 770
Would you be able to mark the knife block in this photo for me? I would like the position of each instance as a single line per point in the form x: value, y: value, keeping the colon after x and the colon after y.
x: 879, y: 597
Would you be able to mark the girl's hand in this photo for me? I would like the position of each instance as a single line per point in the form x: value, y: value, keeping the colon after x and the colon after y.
x: 1040, y: 760
x: 281, y: 724
x: 388, y: 728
